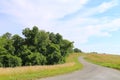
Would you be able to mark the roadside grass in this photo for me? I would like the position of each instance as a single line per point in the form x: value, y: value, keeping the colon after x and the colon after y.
x: 35, y: 72
x: 107, y: 60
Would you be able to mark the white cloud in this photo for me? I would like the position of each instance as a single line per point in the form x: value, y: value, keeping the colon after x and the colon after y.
x: 103, y: 7
x: 40, y: 12
x: 82, y: 27
x: 45, y: 14
x: 106, y: 6
x: 80, y: 30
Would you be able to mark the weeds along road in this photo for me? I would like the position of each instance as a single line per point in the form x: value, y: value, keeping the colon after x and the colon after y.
x: 89, y: 72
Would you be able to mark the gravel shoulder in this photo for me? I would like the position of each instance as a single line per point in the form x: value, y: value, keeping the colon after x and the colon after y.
x: 89, y: 72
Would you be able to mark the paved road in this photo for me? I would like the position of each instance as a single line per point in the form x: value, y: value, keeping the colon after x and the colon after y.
x: 89, y: 72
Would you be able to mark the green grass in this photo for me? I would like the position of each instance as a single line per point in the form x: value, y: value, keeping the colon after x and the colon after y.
x: 107, y: 60
x: 34, y: 72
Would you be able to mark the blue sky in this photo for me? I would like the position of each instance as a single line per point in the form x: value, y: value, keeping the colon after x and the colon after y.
x: 94, y: 25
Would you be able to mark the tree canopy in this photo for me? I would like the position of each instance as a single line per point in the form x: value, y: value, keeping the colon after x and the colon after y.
x: 37, y: 47
x: 76, y: 50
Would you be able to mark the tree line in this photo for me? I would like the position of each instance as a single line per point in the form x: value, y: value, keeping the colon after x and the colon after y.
x: 36, y: 47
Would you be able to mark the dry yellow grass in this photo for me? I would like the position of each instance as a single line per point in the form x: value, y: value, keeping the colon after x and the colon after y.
x: 26, y: 69
x: 33, y: 72
x: 107, y: 60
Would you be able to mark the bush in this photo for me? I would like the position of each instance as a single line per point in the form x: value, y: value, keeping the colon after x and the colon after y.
x: 3, y: 51
x: 37, y: 47
x: 9, y: 61
x: 54, y: 55
x: 37, y: 59
x: 76, y: 50
x: 55, y: 58
x: 1, y: 65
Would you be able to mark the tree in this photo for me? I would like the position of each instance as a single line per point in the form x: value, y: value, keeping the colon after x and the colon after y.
x: 54, y: 55
x: 55, y: 38
x: 37, y: 59
x: 7, y: 43
x: 24, y: 55
x: 58, y: 38
x: 9, y: 47
x: 9, y: 61
x: 30, y: 35
x: 3, y: 51
x: 17, y: 43
x: 28, y: 38
x: 52, y: 38
x: 66, y: 47
x: 76, y: 50
x: 42, y: 41
x: 7, y: 36
x: 37, y: 47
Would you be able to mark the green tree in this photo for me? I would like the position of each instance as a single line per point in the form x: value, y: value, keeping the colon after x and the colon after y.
x: 54, y: 55
x: 7, y: 43
x: 17, y: 43
x: 55, y: 38
x: 28, y: 38
x: 42, y: 41
x: 30, y: 35
x: 52, y: 38
x: 37, y: 47
x: 7, y: 36
x: 58, y: 38
x: 3, y: 51
x: 66, y: 47
x: 9, y: 61
x: 24, y: 55
x: 37, y: 59
x: 76, y: 50
x: 9, y: 47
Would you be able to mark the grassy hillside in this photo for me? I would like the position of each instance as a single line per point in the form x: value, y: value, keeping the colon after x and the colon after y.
x: 33, y: 72
x: 107, y: 60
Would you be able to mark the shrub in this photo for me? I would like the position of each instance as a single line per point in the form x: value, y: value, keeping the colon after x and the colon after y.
x: 9, y: 61
x: 76, y: 50
x: 37, y: 59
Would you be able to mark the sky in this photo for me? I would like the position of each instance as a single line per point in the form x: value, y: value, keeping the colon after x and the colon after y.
x: 94, y: 25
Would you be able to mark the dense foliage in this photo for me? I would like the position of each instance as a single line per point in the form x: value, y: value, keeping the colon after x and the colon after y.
x: 76, y: 50
x: 37, y: 47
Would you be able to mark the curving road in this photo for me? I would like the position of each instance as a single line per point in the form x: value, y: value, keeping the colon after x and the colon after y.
x: 89, y: 72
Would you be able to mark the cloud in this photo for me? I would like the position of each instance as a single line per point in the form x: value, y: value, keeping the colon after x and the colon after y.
x: 46, y: 14
x: 81, y: 29
x: 106, y: 6
x: 103, y: 7
x: 40, y: 12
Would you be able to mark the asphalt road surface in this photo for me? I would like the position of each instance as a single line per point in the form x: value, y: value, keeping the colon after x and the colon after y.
x: 89, y: 72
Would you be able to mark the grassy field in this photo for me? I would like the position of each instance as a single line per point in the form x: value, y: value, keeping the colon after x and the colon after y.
x: 107, y: 60
x: 34, y: 72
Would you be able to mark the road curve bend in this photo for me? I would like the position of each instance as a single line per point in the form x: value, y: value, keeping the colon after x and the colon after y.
x: 89, y: 72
